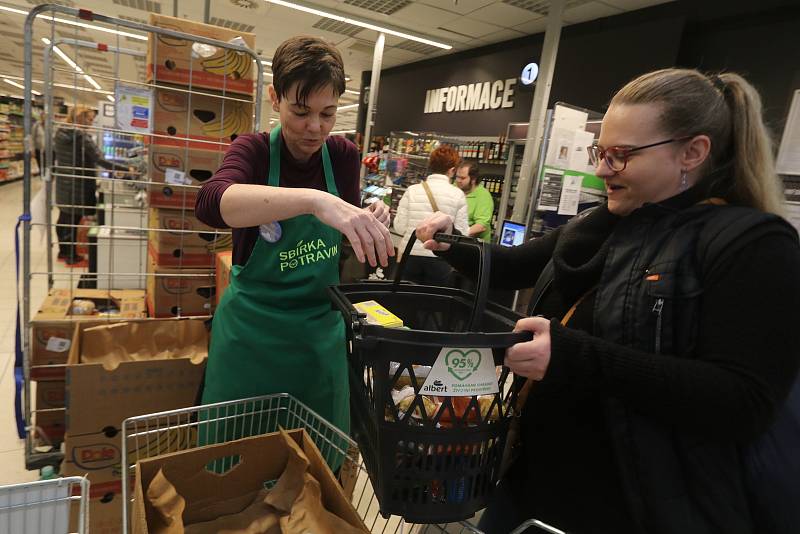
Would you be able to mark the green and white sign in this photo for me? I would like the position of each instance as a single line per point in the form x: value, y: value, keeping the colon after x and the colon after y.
x: 461, y: 372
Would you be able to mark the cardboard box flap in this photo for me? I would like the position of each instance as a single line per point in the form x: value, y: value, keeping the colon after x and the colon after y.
x: 58, y: 304
x: 113, y: 344
x: 261, y: 459
x: 98, y: 398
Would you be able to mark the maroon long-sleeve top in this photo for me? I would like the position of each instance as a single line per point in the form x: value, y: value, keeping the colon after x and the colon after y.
x: 247, y: 162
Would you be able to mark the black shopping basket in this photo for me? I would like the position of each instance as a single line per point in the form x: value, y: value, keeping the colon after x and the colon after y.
x: 434, y: 458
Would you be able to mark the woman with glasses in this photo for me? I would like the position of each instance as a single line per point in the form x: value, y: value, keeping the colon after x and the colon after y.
x: 682, y: 347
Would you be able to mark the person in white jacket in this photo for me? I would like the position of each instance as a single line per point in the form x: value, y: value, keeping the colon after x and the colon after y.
x: 417, y: 204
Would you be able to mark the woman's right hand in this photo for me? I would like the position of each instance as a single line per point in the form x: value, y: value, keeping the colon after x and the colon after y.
x: 369, y: 238
x: 438, y: 222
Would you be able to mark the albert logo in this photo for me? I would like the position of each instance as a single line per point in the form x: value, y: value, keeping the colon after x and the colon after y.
x: 436, y: 387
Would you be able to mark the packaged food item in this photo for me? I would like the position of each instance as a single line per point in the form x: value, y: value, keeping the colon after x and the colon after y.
x: 420, y: 373
x: 82, y: 307
x: 403, y: 398
x: 378, y: 315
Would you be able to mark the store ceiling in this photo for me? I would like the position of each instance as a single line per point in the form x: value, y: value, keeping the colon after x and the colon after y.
x: 463, y: 24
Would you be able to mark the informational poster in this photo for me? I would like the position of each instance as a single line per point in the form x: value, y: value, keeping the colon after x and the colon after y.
x: 134, y: 109
x: 570, y: 194
x: 788, y: 161
x: 550, y: 195
x: 579, y: 158
x: 567, y: 118
x: 559, y: 151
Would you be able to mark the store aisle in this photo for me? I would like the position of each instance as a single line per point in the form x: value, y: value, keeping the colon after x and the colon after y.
x: 12, y: 456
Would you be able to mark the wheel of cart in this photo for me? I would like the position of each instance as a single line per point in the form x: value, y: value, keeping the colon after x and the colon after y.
x: 47, y: 506
x: 431, y: 402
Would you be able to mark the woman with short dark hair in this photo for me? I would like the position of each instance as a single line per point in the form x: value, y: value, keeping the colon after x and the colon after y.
x: 289, y: 195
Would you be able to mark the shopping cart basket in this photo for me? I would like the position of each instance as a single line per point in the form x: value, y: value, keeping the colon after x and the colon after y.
x: 436, y: 460
x: 46, y: 506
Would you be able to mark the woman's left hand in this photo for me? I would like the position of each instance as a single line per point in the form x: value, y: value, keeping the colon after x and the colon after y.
x: 531, y: 359
x: 381, y: 212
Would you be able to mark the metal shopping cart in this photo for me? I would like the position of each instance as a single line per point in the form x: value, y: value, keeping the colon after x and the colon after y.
x: 47, y: 506
x: 172, y: 431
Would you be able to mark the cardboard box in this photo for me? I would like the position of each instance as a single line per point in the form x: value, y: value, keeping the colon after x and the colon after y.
x: 124, y: 370
x: 50, y: 394
x: 53, y: 325
x: 50, y: 426
x: 105, y: 510
x: 174, y: 61
x: 199, y: 121
x: 188, y: 169
x: 179, y: 239
x: 223, y: 272
x: 188, y: 291
x: 211, y: 495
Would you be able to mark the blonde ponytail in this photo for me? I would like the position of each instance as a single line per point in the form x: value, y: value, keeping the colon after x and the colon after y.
x: 756, y: 183
x: 727, y: 109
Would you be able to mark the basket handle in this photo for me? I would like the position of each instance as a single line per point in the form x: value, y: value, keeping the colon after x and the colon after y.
x: 484, y: 270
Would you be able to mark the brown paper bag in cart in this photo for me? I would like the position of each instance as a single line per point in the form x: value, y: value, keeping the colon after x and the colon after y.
x: 209, y: 495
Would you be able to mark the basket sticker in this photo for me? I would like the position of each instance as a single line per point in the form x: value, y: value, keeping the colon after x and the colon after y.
x: 57, y: 344
x: 462, y: 371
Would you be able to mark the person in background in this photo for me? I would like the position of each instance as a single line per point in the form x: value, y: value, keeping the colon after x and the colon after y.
x: 480, y: 204
x: 681, y: 341
x: 77, y: 157
x: 290, y: 195
x: 434, y: 194
x: 38, y: 141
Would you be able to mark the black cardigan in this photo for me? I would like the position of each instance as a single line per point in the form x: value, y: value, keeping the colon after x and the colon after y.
x: 569, y: 477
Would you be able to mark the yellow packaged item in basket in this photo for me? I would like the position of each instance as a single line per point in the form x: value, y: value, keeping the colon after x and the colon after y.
x: 378, y: 315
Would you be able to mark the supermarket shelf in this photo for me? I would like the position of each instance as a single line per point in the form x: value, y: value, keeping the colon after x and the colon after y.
x: 10, y: 180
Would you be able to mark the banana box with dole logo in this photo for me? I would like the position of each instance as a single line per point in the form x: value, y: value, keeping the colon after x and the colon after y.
x: 178, y: 239
x: 203, y: 66
x: 123, y: 370
x: 202, y: 121
x: 378, y: 315
x: 172, y: 291
x: 179, y: 172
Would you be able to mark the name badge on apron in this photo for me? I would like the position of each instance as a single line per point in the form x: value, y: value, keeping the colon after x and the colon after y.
x: 271, y: 232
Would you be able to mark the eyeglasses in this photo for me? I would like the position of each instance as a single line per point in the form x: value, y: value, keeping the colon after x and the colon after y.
x: 616, y: 157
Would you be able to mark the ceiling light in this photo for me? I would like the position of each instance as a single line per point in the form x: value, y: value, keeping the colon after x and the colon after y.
x: 62, y: 55
x: 72, y: 64
x: 352, y: 92
x: 20, y: 86
x: 110, y: 98
x: 355, y: 22
x: 343, y: 132
x: 265, y: 62
x: 349, y: 106
x: 87, y: 89
x: 76, y: 23
x: 91, y: 81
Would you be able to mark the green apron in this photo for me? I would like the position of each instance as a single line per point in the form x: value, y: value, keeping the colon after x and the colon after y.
x: 274, y: 330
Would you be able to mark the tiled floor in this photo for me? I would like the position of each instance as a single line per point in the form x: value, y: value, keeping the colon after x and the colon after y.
x: 12, y: 449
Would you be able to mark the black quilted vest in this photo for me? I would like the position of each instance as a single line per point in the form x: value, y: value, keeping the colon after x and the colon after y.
x: 648, y: 298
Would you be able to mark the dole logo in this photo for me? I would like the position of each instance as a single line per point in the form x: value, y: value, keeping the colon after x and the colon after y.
x: 164, y: 161
x: 54, y: 396
x: 177, y: 223
x: 176, y: 285
x: 96, y: 456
